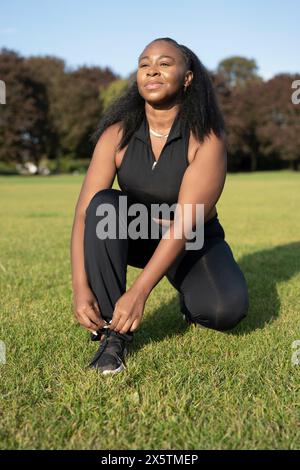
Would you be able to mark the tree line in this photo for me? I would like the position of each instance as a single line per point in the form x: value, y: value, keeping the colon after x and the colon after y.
x: 51, y: 110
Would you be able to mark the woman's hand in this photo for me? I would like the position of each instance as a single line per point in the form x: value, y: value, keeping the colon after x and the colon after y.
x: 128, y: 311
x: 86, y: 309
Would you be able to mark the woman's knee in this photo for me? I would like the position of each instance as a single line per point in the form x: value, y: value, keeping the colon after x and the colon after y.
x: 104, y: 196
x: 224, y: 315
x: 232, y: 311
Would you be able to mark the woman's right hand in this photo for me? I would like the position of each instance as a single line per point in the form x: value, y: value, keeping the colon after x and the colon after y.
x: 86, y: 310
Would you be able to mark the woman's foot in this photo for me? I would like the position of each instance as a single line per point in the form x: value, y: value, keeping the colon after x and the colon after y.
x: 110, y: 357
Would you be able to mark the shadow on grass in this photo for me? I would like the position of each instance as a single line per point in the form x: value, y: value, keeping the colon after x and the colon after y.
x: 164, y: 322
x: 263, y: 270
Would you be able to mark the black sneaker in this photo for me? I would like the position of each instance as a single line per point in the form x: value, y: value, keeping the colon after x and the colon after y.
x: 110, y: 357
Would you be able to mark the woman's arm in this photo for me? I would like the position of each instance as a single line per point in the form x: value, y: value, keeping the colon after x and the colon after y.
x: 100, y: 175
x: 202, y: 183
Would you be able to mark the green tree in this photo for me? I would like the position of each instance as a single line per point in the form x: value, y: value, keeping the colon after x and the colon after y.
x: 278, y: 120
x: 23, y: 119
x: 238, y: 71
x: 51, y: 72
x: 112, y: 92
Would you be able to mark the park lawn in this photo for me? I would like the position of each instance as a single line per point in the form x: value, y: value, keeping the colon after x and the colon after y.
x: 185, y: 387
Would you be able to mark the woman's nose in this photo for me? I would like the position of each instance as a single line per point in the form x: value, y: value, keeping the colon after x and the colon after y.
x: 153, y: 72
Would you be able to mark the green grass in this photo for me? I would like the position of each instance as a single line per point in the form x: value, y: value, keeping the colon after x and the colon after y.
x: 184, y: 387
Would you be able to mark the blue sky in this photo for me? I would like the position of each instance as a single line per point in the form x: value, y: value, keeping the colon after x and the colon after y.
x: 114, y: 33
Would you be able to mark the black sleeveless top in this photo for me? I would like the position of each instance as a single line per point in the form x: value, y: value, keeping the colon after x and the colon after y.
x: 147, y: 181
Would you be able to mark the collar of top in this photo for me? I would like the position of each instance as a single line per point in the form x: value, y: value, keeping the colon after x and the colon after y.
x: 143, y: 133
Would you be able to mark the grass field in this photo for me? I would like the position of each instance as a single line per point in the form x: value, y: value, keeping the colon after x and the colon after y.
x: 184, y: 387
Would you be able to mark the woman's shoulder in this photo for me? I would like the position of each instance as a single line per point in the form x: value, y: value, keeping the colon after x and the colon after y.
x: 195, y: 145
x: 114, y: 133
x: 222, y: 136
x: 212, y: 136
x: 116, y: 128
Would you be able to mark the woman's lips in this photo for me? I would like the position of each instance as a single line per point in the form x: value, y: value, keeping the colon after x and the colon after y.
x: 151, y: 86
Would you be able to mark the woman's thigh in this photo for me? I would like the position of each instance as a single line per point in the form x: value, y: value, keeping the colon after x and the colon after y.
x: 214, y: 289
x: 140, y: 251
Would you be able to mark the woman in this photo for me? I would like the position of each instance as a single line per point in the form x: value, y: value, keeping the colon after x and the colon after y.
x: 165, y: 139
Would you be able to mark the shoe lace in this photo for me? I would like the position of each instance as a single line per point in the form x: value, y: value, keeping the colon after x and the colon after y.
x: 105, y: 343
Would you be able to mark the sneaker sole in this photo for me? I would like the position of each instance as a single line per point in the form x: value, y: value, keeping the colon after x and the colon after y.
x: 115, y: 371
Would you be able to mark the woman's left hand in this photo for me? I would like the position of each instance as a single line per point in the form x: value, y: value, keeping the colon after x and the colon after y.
x: 128, y: 311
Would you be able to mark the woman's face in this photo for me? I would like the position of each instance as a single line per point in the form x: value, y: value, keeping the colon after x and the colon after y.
x: 163, y: 63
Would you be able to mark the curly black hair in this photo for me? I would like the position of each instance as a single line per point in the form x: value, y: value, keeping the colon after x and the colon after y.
x: 199, y: 107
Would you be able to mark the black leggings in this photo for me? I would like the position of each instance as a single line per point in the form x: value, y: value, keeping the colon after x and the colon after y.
x: 213, y: 288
